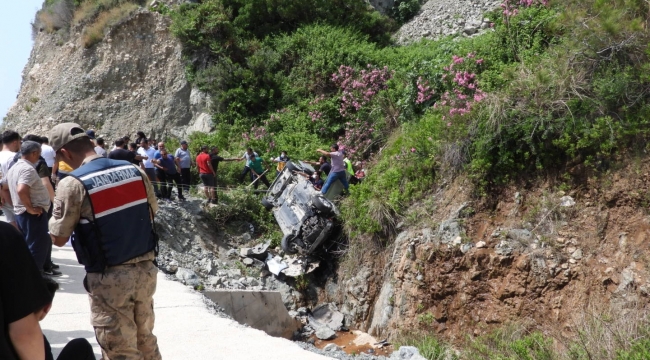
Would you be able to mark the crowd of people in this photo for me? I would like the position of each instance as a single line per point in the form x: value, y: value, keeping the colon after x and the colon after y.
x: 71, y: 188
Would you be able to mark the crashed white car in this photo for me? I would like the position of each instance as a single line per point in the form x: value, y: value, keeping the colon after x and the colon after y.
x: 306, y: 217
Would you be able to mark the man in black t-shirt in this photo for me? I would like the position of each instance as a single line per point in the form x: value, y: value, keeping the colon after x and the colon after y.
x: 120, y: 153
x: 22, y: 294
x: 215, y: 159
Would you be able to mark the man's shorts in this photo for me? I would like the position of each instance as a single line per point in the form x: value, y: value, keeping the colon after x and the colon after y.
x: 8, y: 210
x: 207, y: 179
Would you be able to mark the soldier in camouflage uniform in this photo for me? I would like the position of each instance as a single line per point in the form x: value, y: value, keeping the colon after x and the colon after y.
x: 121, y: 295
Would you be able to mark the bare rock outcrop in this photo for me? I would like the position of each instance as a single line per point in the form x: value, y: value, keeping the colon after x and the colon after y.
x: 438, y: 18
x: 133, y: 80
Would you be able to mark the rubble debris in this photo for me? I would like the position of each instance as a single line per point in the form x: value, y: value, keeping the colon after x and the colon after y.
x: 407, y: 353
x: 275, y: 264
x: 171, y: 267
x: 299, y: 266
x: 567, y: 201
x: 325, y: 333
x: 244, y: 252
x: 332, y: 347
x: 327, y: 315
x: 382, y: 343
x: 260, y: 251
x: 504, y: 248
x: 187, y: 276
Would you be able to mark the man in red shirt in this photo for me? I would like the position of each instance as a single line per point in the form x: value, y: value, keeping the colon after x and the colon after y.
x: 206, y: 173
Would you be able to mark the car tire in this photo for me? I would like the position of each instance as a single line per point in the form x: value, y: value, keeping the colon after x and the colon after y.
x: 321, y: 205
x: 292, y: 167
x: 267, y: 205
x: 287, y: 244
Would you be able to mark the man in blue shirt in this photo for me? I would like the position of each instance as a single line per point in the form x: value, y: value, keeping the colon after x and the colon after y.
x: 185, y: 161
x: 167, y: 171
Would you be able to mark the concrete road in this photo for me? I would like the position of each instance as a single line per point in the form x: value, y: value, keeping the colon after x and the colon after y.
x: 186, y: 329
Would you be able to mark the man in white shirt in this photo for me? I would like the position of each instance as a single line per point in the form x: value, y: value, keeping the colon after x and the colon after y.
x: 11, y: 145
x: 47, y: 152
x: 99, y: 149
x: 247, y: 156
x: 147, y: 165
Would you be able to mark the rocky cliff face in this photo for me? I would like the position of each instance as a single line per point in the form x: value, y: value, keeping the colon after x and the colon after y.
x: 133, y: 80
x: 533, y: 255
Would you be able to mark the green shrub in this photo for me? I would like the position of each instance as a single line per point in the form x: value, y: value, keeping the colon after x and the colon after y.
x: 640, y: 351
x: 511, y: 343
x: 405, y: 171
x: 404, y: 10
x: 55, y: 15
x: 242, y: 205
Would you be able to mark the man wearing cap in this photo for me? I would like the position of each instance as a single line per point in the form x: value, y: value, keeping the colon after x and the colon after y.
x: 338, y: 168
x: 185, y: 159
x: 91, y: 136
x: 109, y: 205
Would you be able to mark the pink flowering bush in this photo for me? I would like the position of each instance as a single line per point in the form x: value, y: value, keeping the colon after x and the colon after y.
x: 511, y: 7
x: 359, y: 98
x: 463, y: 91
x: 359, y: 87
x: 424, y: 91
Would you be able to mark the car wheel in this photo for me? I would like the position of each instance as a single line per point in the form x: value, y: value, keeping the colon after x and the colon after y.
x: 292, y: 167
x: 322, y: 205
x: 287, y: 244
x: 267, y: 205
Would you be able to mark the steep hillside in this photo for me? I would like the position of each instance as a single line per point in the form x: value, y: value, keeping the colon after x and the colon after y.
x: 133, y: 80
x: 504, y: 211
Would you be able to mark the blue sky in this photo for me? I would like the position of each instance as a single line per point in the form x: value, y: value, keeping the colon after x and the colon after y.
x: 15, y: 46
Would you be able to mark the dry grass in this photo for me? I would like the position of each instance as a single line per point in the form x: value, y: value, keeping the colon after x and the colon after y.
x: 91, y: 9
x: 94, y: 32
x: 602, y: 334
x: 381, y: 212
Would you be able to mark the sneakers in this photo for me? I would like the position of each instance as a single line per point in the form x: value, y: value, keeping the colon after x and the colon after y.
x: 54, y: 266
x: 52, y: 272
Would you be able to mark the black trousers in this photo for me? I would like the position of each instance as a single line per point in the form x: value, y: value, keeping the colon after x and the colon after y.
x: 165, y: 190
x: 167, y: 183
x: 48, y: 259
x: 246, y: 170
x: 176, y: 178
x: 77, y: 349
x: 186, y: 179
